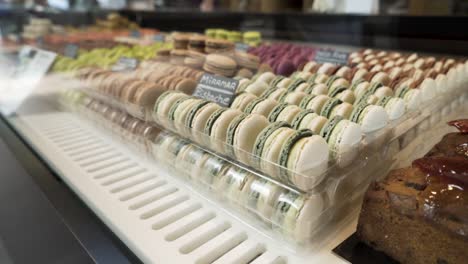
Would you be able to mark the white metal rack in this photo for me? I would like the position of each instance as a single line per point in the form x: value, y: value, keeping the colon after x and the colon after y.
x: 159, y: 217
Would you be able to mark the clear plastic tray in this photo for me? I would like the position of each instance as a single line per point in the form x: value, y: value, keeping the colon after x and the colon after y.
x: 293, y: 214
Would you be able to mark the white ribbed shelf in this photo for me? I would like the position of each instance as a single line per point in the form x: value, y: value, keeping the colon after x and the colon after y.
x: 158, y: 217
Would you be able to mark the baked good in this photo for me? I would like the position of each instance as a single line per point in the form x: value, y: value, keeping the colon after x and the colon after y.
x: 394, y: 106
x: 217, y: 127
x: 242, y: 101
x: 256, y: 88
x: 303, y: 159
x: 370, y: 117
x: 286, y: 113
x: 218, y: 45
x: 163, y: 105
x: 242, y: 135
x: 181, y: 40
x: 343, y: 138
x: 418, y: 214
x: 220, y: 64
x: 314, y: 102
x: 293, y: 98
x: 298, y: 215
x: 198, y: 118
x: 196, y: 43
x: 307, y: 119
x: 262, y: 106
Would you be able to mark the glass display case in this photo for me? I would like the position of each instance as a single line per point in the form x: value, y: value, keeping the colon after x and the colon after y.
x: 229, y: 137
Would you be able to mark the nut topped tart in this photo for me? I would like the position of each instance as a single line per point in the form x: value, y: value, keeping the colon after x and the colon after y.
x: 419, y: 214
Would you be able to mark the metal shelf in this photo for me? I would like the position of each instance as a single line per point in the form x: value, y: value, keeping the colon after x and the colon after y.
x: 159, y: 217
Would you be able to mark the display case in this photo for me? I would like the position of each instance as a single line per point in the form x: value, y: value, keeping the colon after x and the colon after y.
x: 240, y: 138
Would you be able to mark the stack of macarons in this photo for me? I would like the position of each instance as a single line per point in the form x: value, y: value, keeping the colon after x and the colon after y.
x: 430, y: 75
x: 130, y: 129
x: 251, y: 38
x: 325, y: 96
x: 284, y: 58
x: 294, y: 213
x: 295, y: 156
x: 135, y: 95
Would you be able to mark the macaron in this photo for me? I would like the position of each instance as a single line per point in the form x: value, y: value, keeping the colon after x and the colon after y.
x: 284, y: 83
x: 293, y: 98
x: 266, y: 77
x: 428, y: 89
x: 242, y: 100
x: 246, y: 60
x: 146, y: 96
x: 277, y: 79
x: 394, y: 106
x: 328, y: 106
x: 307, y: 119
x: 198, y: 118
x: 297, y: 215
x: 316, y: 103
x: 187, y: 159
x: 210, y: 170
x: 218, y: 45
x: 343, y: 138
x: 410, y: 96
x: 180, y: 111
x: 234, y: 183
x: 260, y: 141
x: 272, y: 149
x: 370, y: 117
x: 220, y: 64
x: 257, y: 88
x: 317, y: 88
x: 287, y: 114
x: 304, y: 159
x: 275, y: 93
x: 261, y: 196
x: 346, y: 96
x: 217, y: 127
x: 262, y: 106
x: 245, y: 135
x: 344, y: 109
x: 163, y: 105
x: 294, y: 84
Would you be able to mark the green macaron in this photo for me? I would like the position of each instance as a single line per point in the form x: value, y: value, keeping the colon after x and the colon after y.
x: 276, y: 111
x: 212, y: 120
x: 286, y: 148
x: 262, y: 137
x: 329, y: 126
x: 306, y: 101
x: 298, y: 119
x: 329, y: 105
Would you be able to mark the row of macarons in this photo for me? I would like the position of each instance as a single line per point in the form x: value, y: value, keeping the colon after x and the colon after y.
x: 384, y: 60
x: 321, y: 99
x: 138, y: 90
x: 282, y: 150
x: 291, y: 212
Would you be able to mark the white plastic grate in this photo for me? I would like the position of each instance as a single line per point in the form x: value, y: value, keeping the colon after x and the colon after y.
x: 157, y: 216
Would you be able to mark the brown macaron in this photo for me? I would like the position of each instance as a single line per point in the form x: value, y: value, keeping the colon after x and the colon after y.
x: 220, y: 64
x: 197, y: 43
x: 218, y: 45
x: 181, y: 40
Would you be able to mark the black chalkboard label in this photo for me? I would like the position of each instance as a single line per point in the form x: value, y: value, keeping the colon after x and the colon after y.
x: 125, y: 64
x: 217, y: 89
x: 71, y: 51
x: 331, y: 56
